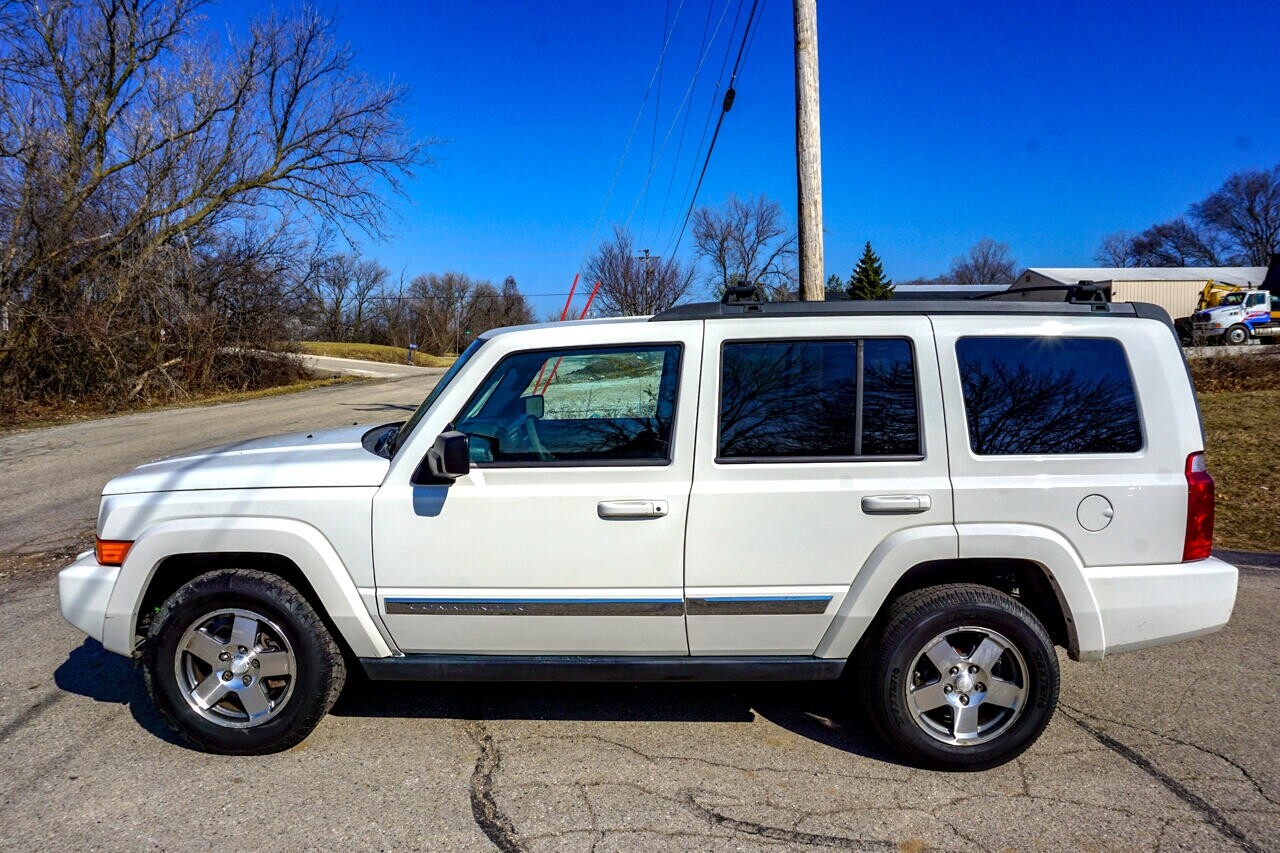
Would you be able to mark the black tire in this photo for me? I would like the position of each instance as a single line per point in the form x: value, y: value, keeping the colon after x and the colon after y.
x: 1008, y: 699
x: 294, y: 668
x: 1236, y: 335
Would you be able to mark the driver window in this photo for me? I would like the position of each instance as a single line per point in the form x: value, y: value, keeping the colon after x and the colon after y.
x: 598, y: 406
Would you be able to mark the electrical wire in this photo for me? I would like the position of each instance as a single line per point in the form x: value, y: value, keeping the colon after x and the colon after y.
x: 613, y: 184
x: 724, y: 111
x: 704, y: 48
x: 674, y: 120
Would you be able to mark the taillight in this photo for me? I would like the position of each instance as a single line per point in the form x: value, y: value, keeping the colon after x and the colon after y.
x: 111, y: 552
x: 1199, y: 538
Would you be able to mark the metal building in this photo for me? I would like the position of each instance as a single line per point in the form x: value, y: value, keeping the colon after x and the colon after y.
x: 1175, y: 289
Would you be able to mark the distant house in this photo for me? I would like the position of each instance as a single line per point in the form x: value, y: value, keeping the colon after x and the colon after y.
x: 1175, y: 289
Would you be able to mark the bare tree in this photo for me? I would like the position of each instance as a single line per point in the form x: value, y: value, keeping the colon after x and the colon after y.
x: 1237, y: 224
x: 1116, y: 250
x: 747, y: 240
x: 632, y: 284
x: 988, y: 262
x: 127, y: 142
x: 1246, y: 211
x: 341, y: 294
x: 1178, y: 243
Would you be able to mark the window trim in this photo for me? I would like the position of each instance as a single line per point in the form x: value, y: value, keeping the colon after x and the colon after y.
x: 1091, y: 454
x: 575, y: 463
x: 813, y: 460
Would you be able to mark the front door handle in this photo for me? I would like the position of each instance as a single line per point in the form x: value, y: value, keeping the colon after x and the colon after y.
x: 632, y: 509
x: 895, y: 504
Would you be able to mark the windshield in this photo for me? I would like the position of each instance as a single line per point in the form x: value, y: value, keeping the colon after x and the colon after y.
x: 422, y: 410
x: 1232, y: 299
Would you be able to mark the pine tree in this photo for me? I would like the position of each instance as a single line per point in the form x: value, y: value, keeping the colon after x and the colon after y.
x: 868, y: 281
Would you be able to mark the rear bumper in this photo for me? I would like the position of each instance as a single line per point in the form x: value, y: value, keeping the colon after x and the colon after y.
x: 1145, y: 606
x: 84, y: 588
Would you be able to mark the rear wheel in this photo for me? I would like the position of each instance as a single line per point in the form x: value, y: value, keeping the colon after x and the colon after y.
x: 239, y: 662
x: 961, y: 677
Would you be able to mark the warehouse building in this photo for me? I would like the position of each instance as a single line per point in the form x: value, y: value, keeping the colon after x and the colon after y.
x: 1175, y: 289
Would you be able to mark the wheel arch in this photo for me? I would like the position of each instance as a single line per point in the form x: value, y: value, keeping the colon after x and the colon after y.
x: 1035, y: 565
x: 171, y: 553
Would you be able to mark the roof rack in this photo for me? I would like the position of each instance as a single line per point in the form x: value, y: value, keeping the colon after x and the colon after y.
x: 714, y: 310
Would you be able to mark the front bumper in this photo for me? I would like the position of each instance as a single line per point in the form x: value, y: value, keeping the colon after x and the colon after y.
x: 1145, y: 606
x: 84, y: 588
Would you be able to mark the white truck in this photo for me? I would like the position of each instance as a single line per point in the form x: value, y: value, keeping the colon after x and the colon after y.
x: 1239, y: 318
x: 917, y: 501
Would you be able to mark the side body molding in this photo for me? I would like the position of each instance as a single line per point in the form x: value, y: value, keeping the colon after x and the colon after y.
x: 908, y: 548
x: 301, y: 543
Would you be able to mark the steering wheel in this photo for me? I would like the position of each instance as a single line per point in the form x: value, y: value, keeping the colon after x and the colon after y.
x: 535, y: 441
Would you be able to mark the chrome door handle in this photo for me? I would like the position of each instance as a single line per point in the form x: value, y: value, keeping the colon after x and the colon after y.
x: 895, y: 504
x: 632, y: 509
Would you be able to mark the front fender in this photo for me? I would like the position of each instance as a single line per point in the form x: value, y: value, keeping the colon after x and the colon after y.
x: 294, y: 540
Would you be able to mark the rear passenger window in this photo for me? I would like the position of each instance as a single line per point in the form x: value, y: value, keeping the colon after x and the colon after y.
x: 1046, y: 395
x: 818, y: 399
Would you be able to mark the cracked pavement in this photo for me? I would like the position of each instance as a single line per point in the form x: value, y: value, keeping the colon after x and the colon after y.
x: 1162, y: 749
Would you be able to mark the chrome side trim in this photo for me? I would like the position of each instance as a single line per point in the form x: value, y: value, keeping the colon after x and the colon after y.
x: 757, y: 605
x: 533, y: 607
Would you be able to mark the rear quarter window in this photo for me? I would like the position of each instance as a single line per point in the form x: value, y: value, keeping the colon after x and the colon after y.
x: 1048, y: 395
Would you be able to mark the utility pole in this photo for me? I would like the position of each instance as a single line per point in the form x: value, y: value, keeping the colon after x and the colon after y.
x: 647, y: 258
x: 808, y: 151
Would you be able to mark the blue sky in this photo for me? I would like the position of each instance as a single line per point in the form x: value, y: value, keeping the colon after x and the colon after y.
x: 1042, y: 125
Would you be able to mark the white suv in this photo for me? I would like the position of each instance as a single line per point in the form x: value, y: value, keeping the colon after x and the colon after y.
x: 922, y: 498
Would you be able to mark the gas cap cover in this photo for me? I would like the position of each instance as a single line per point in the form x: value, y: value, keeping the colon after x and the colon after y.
x: 1094, y: 513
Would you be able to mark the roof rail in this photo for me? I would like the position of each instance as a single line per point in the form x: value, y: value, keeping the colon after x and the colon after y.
x: 889, y: 307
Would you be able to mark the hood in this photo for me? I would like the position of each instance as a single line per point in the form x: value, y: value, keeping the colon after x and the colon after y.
x: 332, y: 457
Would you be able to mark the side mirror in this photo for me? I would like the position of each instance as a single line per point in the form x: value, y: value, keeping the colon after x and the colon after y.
x: 447, y: 460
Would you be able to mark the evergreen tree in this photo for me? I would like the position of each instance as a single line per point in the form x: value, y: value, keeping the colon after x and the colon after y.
x: 868, y: 281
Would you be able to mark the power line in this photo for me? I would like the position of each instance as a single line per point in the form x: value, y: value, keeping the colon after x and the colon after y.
x: 657, y: 111
x: 630, y: 136
x: 653, y: 166
x: 726, y: 105
x: 704, y: 48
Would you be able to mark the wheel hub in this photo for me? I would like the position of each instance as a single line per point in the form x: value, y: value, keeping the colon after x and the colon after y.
x: 968, y: 685
x: 235, y: 668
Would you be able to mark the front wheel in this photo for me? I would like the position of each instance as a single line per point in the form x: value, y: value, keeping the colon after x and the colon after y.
x: 962, y: 677
x: 1237, y: 335
x: 238, y: 662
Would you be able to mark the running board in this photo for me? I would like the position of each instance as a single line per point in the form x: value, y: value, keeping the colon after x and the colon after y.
x: 433, y: 667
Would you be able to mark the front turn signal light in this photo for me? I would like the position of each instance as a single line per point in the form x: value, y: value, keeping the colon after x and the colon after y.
x: 111, y: 552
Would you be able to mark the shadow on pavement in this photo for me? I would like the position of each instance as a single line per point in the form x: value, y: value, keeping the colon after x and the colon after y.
x: 816, y: 711
x: 93, y: 672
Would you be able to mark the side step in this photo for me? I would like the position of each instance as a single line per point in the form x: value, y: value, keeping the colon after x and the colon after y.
x: 433, y: 667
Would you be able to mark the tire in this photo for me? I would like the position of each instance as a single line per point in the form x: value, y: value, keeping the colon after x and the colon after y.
x: 238, y: 662
x: 1236, y: 335
x: 961, y: 677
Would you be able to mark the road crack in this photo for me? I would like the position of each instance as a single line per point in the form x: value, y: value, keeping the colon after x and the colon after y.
x: 493, y: 822
x: 1212, y: 815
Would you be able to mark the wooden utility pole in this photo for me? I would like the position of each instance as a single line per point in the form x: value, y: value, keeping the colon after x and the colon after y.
x: 808, y: 152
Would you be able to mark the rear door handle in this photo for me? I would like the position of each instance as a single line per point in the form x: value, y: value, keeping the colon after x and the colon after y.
x: 895, y: 504
x: 632, y: 509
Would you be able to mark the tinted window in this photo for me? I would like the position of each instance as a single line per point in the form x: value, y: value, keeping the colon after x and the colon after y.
x: 801, y: 399
x: 1048, y: 395
x: 585, y: 406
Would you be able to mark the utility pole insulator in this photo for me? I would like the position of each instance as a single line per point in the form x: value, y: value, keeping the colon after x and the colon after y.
x: 808, y: 152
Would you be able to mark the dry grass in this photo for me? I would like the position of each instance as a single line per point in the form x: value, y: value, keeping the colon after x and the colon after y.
x: 1253, y: 371
x: 1243, y: 436
x: 33, y: 417
x: 373, y: 352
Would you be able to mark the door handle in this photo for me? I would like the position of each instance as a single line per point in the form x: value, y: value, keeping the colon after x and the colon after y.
x: 632, y: 509
x: 895, y: 504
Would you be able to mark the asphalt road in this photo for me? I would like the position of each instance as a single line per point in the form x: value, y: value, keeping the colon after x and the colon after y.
x: 1162, y: 749
x: 367, y: 369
